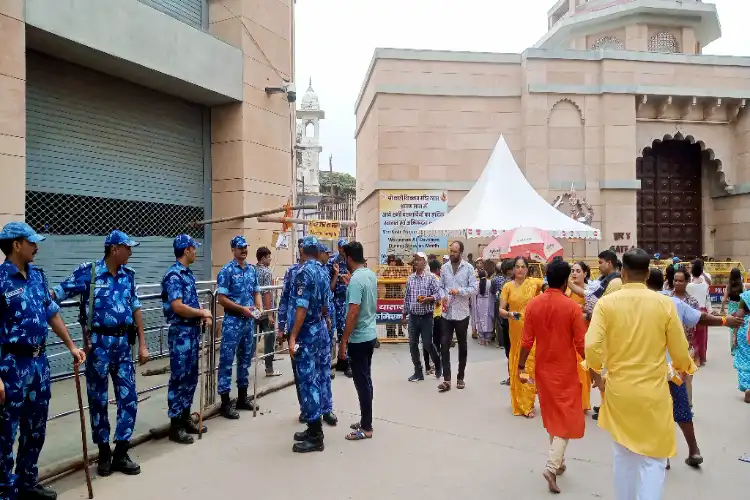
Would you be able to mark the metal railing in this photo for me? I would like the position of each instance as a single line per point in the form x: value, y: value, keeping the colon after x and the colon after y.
x: 154, y: 332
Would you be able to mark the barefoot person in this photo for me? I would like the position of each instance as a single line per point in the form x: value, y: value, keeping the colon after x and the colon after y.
x: 632, y: 329
x: 556, y: 325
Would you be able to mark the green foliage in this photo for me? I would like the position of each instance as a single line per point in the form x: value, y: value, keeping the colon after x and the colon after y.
x: 337, y: 182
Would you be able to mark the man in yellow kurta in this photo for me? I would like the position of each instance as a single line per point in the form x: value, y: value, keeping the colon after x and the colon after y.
x: 630, y: 332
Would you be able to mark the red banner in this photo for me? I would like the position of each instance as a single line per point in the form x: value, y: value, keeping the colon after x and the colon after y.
x: 389, y: 311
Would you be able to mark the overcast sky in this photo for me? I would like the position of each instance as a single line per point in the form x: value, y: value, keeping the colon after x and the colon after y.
x: 336, y: 40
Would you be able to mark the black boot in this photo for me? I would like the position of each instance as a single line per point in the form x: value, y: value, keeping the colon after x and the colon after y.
x: 313, y: 441
x: 121, y: 462
x: 227, y: 410
x: 348, y: 372
x: 177, y: 432
x: 243, y: 403
x: 331, y: 419
x: 190, y: 426
x: 38, y: 492
x: 104, y: 468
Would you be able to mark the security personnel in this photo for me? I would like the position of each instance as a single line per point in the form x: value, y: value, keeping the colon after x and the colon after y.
x: 339, y: 281
x: 26, y: 308
x: 183, y: 312
x: 307, y: 347
x: 116, y: 316
x: 237, y: 287
x: 285, y: 309
x: 328, y: 324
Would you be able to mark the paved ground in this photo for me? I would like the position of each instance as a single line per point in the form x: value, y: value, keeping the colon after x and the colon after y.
x: 428, y: 445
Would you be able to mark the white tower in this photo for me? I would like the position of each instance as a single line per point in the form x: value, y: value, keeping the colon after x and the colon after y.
x: 308, y: 143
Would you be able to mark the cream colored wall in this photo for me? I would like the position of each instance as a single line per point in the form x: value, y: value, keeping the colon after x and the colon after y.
x: 251, y: 141
x: 12, y: 111
x: 368, y: 227
x: 618, y: 33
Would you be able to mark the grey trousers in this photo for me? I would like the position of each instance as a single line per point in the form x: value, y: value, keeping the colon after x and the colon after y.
x: 420, y: 327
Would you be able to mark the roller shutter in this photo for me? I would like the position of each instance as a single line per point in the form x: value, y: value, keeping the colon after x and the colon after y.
x: 188, y: 11
x: 104, y: 154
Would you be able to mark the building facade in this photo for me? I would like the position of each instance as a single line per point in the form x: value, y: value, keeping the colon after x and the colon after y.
x: 307, y: 154
x: 616, y: 105
x: 144, y: 116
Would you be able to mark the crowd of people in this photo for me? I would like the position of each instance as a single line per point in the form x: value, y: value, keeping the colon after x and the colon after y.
x: 634, y: 334
x: 323, y: 298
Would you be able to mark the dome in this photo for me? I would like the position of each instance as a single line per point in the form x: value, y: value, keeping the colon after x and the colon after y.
x: 310, y: 101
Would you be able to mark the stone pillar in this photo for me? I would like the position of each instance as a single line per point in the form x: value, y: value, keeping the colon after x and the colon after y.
x: 689, y: 42
x: 252, y: 141
x: 636, y: 37
x: 12, y: 110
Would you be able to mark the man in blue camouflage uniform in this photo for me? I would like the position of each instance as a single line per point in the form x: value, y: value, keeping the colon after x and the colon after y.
x: 329, y: 325
x: 307, y: 345
x: 26, y: 308
x: 117, y: 311
x: 285, y: 309
x: 184, y: 313
x: 339, y: 281
x: 239, y: 295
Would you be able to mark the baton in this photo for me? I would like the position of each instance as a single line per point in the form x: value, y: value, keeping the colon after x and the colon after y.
x: 83, y: 432
x: 201, y: 381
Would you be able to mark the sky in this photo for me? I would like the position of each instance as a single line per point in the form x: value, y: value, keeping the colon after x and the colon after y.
x: 336, y: 39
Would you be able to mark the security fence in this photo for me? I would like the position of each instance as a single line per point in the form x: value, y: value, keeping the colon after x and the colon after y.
x: 61, y: 453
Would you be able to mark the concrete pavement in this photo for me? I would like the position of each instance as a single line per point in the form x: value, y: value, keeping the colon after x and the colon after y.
x: 429, y: 445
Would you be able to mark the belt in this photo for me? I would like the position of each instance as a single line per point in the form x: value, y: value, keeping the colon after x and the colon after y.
x: 24, y: 350
x: 235, y: 315
x: 431, y: 313
x: 111, y: 331
x: 186, y: 322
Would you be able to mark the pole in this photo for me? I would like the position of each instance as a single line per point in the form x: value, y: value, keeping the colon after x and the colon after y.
x: 342, y: 223
x: 201, y: 381
x: 83, y: 432
x: 248, y: 216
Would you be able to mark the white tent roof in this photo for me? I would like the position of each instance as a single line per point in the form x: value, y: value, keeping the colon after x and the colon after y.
x: 502, y: 199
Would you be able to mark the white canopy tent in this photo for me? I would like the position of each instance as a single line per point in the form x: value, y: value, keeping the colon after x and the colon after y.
x: 502, y: 199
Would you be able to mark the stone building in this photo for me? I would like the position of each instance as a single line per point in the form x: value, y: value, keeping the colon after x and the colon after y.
x: 307, y: 152
x: 144, y: 115
x: 616, y: 101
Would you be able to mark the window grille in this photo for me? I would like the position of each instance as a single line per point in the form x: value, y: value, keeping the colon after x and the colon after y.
x: 608, y: 43
x: 663, y: 42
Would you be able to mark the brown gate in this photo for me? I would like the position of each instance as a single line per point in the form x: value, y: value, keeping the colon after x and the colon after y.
x: 669, y: 201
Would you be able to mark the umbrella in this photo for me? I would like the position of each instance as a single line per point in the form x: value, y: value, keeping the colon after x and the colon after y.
x: 526, y: 241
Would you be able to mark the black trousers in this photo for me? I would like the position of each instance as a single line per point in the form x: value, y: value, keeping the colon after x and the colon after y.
x: 503, y: 336
x: 461, y: 327
x: 360, y: 361
x: 421, y: 327
x: 269, y: 342
x: 437, y: 334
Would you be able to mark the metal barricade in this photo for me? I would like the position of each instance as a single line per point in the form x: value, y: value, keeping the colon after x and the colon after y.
x: 260, y: 335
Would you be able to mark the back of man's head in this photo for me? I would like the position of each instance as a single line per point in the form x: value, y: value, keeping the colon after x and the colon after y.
x: 558, y: 272
x: 635, y: 265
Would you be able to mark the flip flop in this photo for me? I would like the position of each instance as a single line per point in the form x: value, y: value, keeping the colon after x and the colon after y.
x: 694, y: 461
x: 358, y: 435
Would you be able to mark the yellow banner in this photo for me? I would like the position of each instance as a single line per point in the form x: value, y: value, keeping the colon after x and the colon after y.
x: 324, y: 229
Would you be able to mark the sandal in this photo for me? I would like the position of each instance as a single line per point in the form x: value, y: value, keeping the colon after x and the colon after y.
x: 530, y: 415
x: 694, y: 461
x: 444, y: 387
x: 460, y: 384
x: 274, y: 373
x: 358, y: 435
x: 505, y: 382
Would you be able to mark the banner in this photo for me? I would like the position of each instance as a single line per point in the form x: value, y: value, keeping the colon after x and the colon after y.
x: 716, y: 293
x: 324, y: 229
x: 402, y: 213
x: 389, y: 311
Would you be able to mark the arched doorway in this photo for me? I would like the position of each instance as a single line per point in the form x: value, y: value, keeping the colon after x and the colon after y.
x: 669, y: 201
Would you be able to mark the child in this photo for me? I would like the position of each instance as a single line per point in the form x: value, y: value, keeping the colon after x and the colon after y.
x: 483, y: 310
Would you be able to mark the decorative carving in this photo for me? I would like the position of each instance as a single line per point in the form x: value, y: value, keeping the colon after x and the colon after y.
x: 664, y: 42
x: 608, y: 43
x: 580, y: 209
x: 571, y: 101
x: 711, y: 107
x: 641, y: 103
x: 688, y: 107
x: 663, y: 105
x: 734, y: 110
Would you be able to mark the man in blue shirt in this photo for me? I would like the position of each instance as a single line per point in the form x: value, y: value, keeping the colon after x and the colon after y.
x: 26, y: 309
x: 183, y: 311
x: 114, y: 320
x: 239, y: 295
x: 285, y: 309
x: 339, y: 281
x: 307, y: 346
x: 328, y: 324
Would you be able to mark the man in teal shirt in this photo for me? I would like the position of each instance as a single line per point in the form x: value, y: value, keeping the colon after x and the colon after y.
x: 360, y: 335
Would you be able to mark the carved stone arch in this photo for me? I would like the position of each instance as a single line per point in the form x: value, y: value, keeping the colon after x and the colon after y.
x: 571, y: 101
x: 713, y: 158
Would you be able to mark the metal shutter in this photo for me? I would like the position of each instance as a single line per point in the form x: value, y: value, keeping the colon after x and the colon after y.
x: 105, y: 154
x: 188, y: 11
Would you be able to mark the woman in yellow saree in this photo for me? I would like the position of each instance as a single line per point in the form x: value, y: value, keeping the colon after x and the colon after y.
x: 513, y: 299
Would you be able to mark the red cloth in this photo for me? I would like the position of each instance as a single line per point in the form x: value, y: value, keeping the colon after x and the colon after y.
x: 556, y: 324
x: 700, y: 341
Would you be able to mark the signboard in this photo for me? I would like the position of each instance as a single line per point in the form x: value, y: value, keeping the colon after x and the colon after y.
x: 716, y: 293
x: 324, y: 229
x: 402, y: 213
x: 389, y: 311
x: 280, y: 240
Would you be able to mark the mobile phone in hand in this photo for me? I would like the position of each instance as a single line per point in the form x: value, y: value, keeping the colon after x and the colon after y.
x: 516, y: 316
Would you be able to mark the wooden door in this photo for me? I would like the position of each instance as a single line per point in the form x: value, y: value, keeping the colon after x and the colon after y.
x: 669, y: 201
